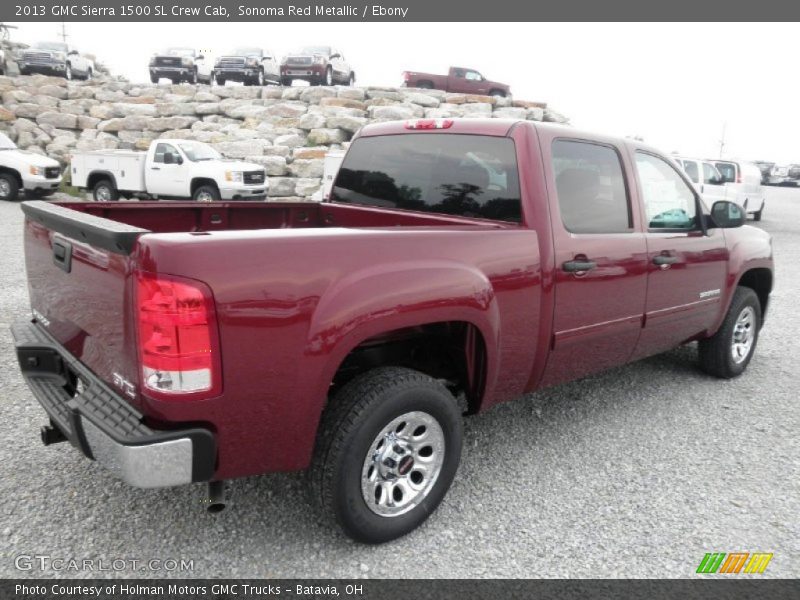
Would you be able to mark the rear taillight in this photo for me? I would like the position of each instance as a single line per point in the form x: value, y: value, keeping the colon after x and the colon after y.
x: 178, y: 341
x: 406, y: 75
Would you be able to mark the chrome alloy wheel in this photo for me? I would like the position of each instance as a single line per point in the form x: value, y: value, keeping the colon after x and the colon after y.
x: 5, y: 189
x: 205, y: 197
x: 743, y: 334
x: 103, y: 193
x: 402, y: 464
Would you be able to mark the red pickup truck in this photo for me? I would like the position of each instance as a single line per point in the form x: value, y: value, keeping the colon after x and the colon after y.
x: 458, y: 81
x: 456, y: 265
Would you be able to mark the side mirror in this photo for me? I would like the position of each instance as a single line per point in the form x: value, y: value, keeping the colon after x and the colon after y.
x: 727, y: 215
x: 72, y: 53
x: 200, y: 57
x: 179, y: 159
x: 336, y: 55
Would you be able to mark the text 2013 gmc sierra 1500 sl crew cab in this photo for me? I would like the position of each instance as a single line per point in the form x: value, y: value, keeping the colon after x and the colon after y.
x: 456, y: 265
x: 169, y: 169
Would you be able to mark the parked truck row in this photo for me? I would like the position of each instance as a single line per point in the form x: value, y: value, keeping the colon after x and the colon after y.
x: 232, y: 339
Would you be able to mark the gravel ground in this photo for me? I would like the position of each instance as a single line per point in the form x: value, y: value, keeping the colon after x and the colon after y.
x: 637, y: 472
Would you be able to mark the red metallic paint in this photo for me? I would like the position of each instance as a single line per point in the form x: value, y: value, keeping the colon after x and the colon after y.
x: 298, y: 286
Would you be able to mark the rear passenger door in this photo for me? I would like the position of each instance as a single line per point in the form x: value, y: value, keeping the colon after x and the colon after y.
x: 601, y: 258
x: 687, y: 266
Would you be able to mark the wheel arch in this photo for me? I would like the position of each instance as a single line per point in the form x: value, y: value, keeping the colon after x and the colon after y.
x: 97, y: 176
x: 12, y: 171
x: 758, y: 279
x: 200, y: 181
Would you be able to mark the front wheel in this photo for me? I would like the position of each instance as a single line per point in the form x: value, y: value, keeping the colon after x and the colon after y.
x: 206, y: 193
x: 757, y: 214
x: 88, y: 75
x: 727, y: 353
x: 387, y: 452
x: 220, y: 80
x: 104, y: 191
x: 9, y: 187
x: 497, y: 93
x: 351, y: 80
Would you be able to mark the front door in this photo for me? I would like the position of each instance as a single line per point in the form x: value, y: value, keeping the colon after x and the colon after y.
x: 601, y: 264
x: 166, y: 175
x: 687, y: 266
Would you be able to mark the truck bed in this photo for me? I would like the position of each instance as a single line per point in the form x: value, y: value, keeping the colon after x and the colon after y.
x: 191, y: 217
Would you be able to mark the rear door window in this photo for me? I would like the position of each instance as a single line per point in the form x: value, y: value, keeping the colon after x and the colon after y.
x: 690, y: 167
x: 592, y: 196
x: 727, y: 170
x: 464, y: 175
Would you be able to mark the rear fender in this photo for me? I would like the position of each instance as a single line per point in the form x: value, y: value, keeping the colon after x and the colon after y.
x: 397, y: 295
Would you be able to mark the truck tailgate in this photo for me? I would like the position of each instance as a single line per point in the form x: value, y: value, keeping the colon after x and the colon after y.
x: 78, y: 267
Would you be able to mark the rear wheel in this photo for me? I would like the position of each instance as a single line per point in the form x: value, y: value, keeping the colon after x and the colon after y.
x: 153, y: 78
x: 727, y: 353
x: 757, y: 214
x: 206, y: 193
x: 425, y: 85
x: 105, y: 191
x: 9, y: 187
x: 88, y: 75
x: 286, y: 82
x: 387, y: 452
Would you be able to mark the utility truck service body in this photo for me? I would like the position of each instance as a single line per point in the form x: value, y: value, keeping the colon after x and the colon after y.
x: 456, y: 265
x: 169, y: 169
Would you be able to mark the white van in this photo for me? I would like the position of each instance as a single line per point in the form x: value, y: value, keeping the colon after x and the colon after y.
x: 743, y: 185
x: 705, y: 177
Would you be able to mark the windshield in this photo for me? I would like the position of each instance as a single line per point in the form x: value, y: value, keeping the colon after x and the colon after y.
x: 326, y: 50
x: 196, y: 151
x: 56, y: 46
x: 246, y: 52
x: 6, y: 143
x: 187, y: 52
x: 466, y: 175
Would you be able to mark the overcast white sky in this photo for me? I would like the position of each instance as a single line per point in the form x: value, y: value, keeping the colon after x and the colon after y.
x: 675, y: 85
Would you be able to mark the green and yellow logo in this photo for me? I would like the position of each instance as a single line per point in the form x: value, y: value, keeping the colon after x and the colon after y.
x: 735, y: 562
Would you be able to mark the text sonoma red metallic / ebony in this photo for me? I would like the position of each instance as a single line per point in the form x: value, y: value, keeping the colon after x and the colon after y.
x: 457, y: 264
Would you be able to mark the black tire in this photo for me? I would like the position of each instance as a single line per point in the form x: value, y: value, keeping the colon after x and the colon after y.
x: 220, y: 80
x: 9, y: 187
x: 286, y: 81
x: 716, y: 352
x: 351, y: 81
x: 351, y: 425
x: 498, y: 93
x: 154, y: 78
x: 105, y: 191
x: 24, y: 72
x: 757, y: 214
x: 425, y: 85
x: 260, y: 79
x: 206, y: 191
x: 193, y: 77
x: 88, y: 75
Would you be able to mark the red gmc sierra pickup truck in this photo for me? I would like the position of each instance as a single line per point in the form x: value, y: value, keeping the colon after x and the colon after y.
x: 456, y: 265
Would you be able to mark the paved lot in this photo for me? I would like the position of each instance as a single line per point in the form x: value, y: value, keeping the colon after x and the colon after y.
x: 634, y: 473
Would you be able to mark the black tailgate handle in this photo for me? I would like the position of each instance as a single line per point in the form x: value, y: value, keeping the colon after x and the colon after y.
x: 62, y: 255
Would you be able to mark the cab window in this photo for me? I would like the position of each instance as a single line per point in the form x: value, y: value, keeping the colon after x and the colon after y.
x: 591, y: 190
x: 473, y: 76
x: 669, y: 202
x: 164, y: 149
x: 710, y: 174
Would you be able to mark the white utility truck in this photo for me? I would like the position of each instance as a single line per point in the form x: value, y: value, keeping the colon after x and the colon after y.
x: 37, y: 175
x: 170, y: 169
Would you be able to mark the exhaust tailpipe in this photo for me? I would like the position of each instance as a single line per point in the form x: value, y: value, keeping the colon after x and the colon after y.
x: 217, y: 497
